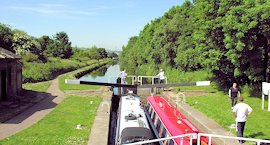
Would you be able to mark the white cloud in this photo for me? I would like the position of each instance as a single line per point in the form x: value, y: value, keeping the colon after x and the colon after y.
x: 57, y: 9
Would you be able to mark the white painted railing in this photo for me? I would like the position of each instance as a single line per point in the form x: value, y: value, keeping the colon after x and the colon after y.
x: 181, y: 137
x: 198, y: 137
x: 138, y: 79
x: 210, y: 136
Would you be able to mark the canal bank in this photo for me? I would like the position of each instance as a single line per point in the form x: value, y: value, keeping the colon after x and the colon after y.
x: 201, y: 121
x: 100, y: 129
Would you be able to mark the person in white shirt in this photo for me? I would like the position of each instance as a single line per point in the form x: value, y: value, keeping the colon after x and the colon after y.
x: 161, y: 76
x: 241, y: 111
x: 123, y: 75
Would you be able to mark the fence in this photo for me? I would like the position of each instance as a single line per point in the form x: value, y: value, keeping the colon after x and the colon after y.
x: 198, y: 137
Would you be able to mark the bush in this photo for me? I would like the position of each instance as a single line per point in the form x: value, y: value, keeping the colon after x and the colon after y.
x: 36, y: 72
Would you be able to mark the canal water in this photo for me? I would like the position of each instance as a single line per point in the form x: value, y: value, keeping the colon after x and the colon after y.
x: 107, y: 75
x: 103, y: 75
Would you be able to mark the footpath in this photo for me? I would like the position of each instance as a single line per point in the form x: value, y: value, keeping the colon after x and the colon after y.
x: 33, y: 114
x: 99, y: 131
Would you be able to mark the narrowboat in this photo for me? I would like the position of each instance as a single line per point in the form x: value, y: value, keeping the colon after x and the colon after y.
x: 168, y: 121
x: 132, y: 125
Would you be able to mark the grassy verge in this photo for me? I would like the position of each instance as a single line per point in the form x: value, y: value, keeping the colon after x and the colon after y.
x: 63, y: 86
x: 37, y: 72
x: 175, y: 75
x: 217, y: 105
x: 39, y: 87
x: 58, y: 127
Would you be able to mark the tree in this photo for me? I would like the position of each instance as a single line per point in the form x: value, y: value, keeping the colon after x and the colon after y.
x: 45, y: 42
x: 228, y: 37
x: 22, y: 43
x: 6, y: 37
x: 61, y: 47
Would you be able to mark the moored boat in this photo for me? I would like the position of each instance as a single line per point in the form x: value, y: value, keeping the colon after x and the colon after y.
x: 168, y: 121
x: 132, y: 125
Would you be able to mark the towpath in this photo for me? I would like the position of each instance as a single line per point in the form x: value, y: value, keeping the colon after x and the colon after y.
x: 34, y: 113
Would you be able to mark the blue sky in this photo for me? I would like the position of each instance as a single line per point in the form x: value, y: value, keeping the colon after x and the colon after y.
x: 104, y: 23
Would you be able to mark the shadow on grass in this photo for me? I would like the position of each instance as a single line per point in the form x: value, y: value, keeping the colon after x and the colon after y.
x: 19, y: 108
x: 254, y: 135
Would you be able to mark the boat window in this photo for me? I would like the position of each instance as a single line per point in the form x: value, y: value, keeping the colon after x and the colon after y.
x: 153, y: 115
x: 160, y: 130
x: 166, y: 142
x: 158, y: 124
x: 155, y: 121
x: 150, y: 110
x: 171, y: 142
x: 164, y: 132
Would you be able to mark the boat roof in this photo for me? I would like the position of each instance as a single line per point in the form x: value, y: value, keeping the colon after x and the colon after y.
x: 174, y: 121
x: 132, y: 113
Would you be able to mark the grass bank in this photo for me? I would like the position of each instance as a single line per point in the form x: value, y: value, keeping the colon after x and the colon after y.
x: 175, y: 75
x: 39, y: 87
x: 217, y: 106
x: 59, y: 127
x: 63, y: 86
x: 37, y: 72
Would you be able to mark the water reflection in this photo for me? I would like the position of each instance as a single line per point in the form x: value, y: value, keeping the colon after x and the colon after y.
x: 99, y: 72
x: 103, y: 74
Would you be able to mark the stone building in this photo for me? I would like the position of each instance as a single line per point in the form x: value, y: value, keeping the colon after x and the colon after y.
x: 10, y: 75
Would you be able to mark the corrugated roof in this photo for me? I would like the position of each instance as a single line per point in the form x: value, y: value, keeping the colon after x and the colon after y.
x: 5, y: 54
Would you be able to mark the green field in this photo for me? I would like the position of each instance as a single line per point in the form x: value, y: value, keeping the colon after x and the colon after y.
x: 58, y: 127
x: 39, y: 87
x: 63, y: 86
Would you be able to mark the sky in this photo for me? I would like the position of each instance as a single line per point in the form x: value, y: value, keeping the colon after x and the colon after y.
x: 102, y: 23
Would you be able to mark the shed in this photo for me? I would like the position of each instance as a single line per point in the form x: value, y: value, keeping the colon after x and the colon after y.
x: 10, y: 75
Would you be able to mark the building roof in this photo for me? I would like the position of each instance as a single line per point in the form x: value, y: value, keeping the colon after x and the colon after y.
x: 5, y: 54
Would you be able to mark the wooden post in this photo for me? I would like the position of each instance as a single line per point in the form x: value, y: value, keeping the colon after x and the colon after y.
x: 263, y: 100
x: 269, y: 100
x: 118, y: 81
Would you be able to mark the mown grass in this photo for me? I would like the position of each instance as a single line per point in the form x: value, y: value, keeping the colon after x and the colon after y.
x: 58, y: 127
x: 217, y: 106
x: 63, y: 86
x: 39, y: 87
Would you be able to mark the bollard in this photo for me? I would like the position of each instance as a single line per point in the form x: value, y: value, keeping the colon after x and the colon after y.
x: 118, y: 81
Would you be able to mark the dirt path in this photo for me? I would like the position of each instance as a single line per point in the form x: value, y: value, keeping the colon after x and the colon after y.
x: 34, y: 113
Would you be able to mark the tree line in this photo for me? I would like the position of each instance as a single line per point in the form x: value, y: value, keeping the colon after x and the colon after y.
x: 41, y: 49
x: 230, y: 38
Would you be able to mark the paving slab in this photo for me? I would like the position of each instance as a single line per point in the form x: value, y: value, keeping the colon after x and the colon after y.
x: 100, y: 129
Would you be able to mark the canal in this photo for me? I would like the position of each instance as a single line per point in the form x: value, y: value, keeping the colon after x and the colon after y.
x: 107, y: 74
x: 103, y: 74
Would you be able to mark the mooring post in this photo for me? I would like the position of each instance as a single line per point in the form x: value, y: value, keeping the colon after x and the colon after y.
x: 118, y: 81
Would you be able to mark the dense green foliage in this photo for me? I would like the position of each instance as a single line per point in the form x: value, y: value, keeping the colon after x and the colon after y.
x: 36, y: 72
x: 227, y: 37
x: 59, y: 127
